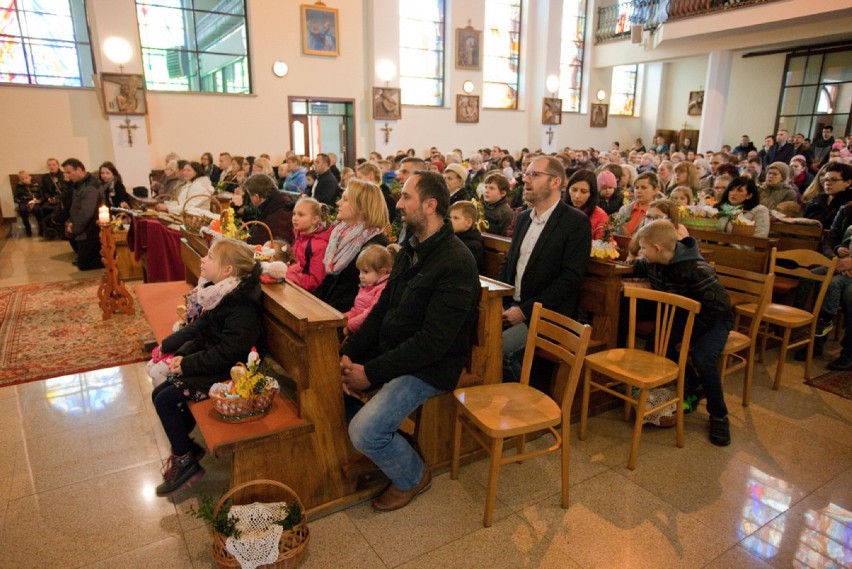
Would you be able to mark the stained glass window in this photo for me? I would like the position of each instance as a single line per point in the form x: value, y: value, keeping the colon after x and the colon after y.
x: 502, y: 46
x: 194, y: 45
x: 45, y: 42
x: 623, y: 96
x: 572, y: 52
x: 421, y: 52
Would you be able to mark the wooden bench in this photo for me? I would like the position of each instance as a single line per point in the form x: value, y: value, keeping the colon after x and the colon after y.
x: 739, y: 251
x: 796, y: 235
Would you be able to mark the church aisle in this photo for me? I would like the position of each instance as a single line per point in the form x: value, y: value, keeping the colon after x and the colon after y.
x: 81, y: 455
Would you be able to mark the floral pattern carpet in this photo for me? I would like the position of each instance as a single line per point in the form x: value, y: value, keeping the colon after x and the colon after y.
x: 56, y: 329
x: 837, y: 382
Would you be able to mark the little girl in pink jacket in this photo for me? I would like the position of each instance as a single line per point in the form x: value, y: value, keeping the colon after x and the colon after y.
x: 374, y: 266
x: 311, y: 228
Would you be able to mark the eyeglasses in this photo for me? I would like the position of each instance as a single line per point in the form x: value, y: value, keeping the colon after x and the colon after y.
x: 827, y: 180
x: 532, y: 174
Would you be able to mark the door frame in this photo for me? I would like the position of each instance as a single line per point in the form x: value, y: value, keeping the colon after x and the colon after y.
x: 351, y: 153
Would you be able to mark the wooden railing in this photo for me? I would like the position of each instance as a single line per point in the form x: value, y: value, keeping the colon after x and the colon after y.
x: 616, y: 20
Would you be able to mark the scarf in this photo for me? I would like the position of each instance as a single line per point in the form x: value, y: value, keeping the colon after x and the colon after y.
x: 344, y: 244
x: 210, y: 295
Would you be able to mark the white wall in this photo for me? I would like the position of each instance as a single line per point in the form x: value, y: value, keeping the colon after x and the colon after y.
x: 681, y: 77
x: 753, y: 97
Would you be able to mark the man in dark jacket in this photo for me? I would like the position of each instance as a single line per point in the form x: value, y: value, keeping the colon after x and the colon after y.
x: 782, y: 151
x: 82, y: 222
x: 550, y: 248
x: 415, y: 341
x: 326, y: 186
x: 274, y: 208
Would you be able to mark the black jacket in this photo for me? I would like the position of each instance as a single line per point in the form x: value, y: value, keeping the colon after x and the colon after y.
x: 472, y: 239
x: 113, y: 197
x: 687, y: 274
x: 461, y: 194
x: 52, y: 187
x: 423, y: 320
x: 499, y: 216
x: 277, y: 213
x: 341, y: 289
x: 824, y: 211
x: 218, y: 339
x: 557, y: 262
x: 84, y: 208
x: 779, y: 154
x: 326, y: 188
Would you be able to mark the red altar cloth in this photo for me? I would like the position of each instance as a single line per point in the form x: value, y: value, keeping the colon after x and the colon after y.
x: 160, y: 246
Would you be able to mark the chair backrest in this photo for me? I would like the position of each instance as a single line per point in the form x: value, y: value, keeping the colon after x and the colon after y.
x: 798, y: 263
x: 567, y: 341
x: 668, y: 305
x: 748, y: 287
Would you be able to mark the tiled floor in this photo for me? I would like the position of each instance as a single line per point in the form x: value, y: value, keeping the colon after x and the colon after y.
x: 80, y: 456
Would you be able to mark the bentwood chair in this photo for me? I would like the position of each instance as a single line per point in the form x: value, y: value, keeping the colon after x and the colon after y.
x: 795, y: 263
x: 629, y: 368
x: 744, y: 287
x: 496, y: 412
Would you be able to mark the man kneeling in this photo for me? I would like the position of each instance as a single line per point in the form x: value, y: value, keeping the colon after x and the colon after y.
x: 414, y: 344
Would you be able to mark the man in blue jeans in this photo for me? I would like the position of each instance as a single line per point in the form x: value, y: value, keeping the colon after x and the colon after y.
x: 415, y: 341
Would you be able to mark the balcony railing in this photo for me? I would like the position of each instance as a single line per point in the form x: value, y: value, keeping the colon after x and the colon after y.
x: 615, y: 21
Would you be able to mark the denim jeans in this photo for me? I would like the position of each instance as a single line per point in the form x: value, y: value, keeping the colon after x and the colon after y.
x: 831, y: 302
x: 707, y: 346
x: 514, y: 341
x: 373, y: 429
x: 846, y: 342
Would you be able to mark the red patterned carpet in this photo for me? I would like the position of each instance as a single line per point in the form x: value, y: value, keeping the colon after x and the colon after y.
x: 837, y: 382
x: 55, y: 329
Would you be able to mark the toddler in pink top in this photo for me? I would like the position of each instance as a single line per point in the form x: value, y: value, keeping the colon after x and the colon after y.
x: 374, y: 266
x: 312, y: 230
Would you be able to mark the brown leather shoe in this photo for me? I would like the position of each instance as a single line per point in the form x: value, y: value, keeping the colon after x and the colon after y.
x: 393, y: 498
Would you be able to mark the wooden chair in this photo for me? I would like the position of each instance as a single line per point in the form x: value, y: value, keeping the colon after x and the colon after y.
x: 790, y: 318
x: 640, y: 369
x: 744, y: 287
x: 499, y: 411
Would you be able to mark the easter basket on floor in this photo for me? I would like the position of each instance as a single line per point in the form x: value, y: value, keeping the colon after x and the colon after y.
x: 196, y: 216
x: 247, y: 396
x: 258, y: 524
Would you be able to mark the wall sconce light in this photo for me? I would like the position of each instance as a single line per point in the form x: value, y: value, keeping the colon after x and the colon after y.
x: 118, y: 51
x: 552, y: 83
x: 467, y: 87
x: 280, y: 69
x: 601, y: 95
x: 385, y: 70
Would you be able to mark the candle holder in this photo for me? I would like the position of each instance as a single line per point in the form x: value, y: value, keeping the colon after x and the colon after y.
x: 112, y: 294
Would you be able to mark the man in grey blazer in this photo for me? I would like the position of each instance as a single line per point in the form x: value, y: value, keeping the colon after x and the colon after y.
x: 550, y: 248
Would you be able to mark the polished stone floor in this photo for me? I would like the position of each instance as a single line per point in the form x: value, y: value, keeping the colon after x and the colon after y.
x: 80, y: 457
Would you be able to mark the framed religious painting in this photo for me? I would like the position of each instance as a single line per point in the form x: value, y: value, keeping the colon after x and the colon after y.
x: 696, y: 103
x: 551, y: 111
x: 598, y: 114
x: 467, y: 108
x: 320, y: 30
x: 123, y: 94
x: 386, y: 103
x: 468, y: 49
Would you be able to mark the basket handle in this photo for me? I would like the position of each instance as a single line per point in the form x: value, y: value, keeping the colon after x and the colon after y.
x: 210, y: 200
x: 244, y: 485
x: 246, y: 224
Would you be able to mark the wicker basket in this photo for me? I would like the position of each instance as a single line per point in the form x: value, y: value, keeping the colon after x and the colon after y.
x: 192, y: 222
x: 246, y: 226
x: 742, y: 229
x: 243, y: 410
x: 291, y: 546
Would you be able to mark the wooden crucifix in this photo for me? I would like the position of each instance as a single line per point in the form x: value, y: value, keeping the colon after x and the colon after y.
x: 129, y: 127
x: 387, y: 130
x: 550, y: 134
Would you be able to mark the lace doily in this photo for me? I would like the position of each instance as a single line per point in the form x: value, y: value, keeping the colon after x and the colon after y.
x: 259, y: 534
x: 656, y: 397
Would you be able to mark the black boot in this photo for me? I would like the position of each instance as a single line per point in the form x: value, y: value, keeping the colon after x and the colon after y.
x: 179, y: 470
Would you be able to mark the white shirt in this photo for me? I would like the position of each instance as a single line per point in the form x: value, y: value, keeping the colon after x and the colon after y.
x: 537, y: 223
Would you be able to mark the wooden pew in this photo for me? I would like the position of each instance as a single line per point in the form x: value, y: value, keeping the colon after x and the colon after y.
x: 739, y: 251
x: 796, y: 235
x: 309, y: 454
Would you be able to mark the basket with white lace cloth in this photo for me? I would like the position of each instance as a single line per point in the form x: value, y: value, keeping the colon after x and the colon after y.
x: 263, y: 543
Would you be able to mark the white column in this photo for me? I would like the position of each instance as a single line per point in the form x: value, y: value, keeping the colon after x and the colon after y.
x: 715, y: 98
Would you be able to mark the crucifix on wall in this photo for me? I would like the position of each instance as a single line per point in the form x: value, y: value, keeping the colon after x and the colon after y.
x: 550, y: 134
x: 129, y: 127
x: 387, y: 130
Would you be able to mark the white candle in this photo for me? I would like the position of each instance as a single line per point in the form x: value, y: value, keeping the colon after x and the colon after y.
x: 103, y: 214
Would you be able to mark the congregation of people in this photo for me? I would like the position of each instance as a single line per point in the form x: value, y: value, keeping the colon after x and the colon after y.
x: 411, y: 305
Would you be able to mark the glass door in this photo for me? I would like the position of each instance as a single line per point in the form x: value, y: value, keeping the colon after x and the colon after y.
x: 323, y: 126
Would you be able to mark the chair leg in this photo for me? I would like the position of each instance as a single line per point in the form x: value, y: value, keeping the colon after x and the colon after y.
x: 749, y: 374
x: 454, y: 469
x: 637, y: 427
x: 782, y: 358
x: 493, y: 475
x: 627, y: 404
x: 584, y: 407
x: 764, y: 337
x: 810, y: 357
x: 520, y: 445
x: 566, y: 459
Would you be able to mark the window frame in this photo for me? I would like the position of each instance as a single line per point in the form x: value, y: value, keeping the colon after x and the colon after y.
x: 86, y: 81
x: 443, y: 66
x: 581, y: 15
x: 517, y: 84
x: 195, y: 54
x: 636, y: 73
